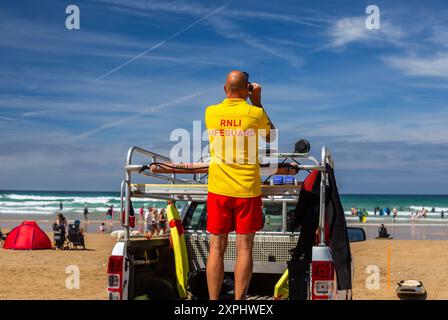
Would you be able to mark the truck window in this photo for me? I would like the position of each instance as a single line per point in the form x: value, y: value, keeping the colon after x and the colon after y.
x: 196, y: 217
x: 273, y: 219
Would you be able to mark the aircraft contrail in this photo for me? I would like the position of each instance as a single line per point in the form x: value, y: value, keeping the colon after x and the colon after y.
x: 161, y: 43
x: 146, y: 111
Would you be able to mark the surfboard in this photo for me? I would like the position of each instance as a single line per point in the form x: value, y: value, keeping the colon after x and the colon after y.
x: 179, y: 248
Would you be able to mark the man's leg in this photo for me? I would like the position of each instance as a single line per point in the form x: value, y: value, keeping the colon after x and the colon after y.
x: 244, y: 264
x: 215, y: 264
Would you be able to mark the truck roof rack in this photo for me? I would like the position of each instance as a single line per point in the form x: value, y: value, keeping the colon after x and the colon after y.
x: 195, y: 187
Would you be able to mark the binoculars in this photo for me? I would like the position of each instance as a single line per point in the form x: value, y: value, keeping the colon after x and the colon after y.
x: 250, y: 85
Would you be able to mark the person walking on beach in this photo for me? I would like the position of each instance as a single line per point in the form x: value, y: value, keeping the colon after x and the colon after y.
x: 61, y: 206
x: 234, y: 185
x: 86, y: 214
x: 109, y: 217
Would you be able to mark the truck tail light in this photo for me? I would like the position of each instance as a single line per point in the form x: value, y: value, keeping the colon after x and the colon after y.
x: 115, y: 275
x: 322, y: 280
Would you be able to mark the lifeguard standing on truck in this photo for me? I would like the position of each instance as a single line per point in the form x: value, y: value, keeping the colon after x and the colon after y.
x: 234, y: 182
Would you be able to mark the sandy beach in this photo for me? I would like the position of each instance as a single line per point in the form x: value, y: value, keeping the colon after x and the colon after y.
x: 423, y: 260
x: 41, y: 274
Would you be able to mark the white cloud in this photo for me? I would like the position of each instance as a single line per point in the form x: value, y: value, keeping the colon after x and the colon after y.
x: 352, y: 29
x: 439, y: 36
x: 2, y: 118
x: 434, y: 65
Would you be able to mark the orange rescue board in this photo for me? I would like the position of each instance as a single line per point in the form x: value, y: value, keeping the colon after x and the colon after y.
x: 191, y: 168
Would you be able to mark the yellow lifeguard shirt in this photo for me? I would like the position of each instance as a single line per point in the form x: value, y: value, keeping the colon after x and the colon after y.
x: 233, y: 130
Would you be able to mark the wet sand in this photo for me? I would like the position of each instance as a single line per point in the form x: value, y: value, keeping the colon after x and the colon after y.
x: 407, y: 231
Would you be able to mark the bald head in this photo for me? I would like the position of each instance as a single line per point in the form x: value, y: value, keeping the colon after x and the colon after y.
x: 236, y: 85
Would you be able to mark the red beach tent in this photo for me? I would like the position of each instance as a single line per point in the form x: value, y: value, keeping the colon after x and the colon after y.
x: 27, y: 236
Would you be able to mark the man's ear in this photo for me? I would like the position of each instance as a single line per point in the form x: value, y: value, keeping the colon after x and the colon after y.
x: 225, y: 89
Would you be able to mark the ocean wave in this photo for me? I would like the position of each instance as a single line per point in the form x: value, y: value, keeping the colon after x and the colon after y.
x: 34, y: 204
x: 69, y: 199
x: 28, y: 203
x: 437, y: 209
x: 48, y: 211
x: 34, y: 197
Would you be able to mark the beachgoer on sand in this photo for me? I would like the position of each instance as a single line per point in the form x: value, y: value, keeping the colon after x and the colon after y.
x: 63, y: 220
x: 382, y: 232
x: 59, y: 233
x: 234, y: 191
x: 142, y: 215
x: 155, y: 220
x: 148, y: 221
x: 162, y: 221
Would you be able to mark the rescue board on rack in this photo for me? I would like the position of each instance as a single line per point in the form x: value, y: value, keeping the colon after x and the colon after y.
x: 202, y: 168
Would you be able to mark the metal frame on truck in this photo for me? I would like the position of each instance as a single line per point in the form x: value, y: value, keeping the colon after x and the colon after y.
x: 271, y: 248
x: 196, y: 187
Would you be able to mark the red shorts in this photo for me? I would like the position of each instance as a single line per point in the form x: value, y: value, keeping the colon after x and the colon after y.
x: 226, y: 214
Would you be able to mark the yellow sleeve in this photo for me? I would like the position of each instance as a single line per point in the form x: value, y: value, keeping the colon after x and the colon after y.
x: 206, y: 116
x: 264, y: 125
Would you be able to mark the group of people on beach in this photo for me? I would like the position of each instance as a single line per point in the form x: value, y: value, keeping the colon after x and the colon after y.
x: 363, y: 213
x: 414, y: 215
x: 154, y: 221
x: 61, y: 231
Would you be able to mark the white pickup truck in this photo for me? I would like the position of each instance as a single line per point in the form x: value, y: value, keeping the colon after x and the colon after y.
x: 138, y: 266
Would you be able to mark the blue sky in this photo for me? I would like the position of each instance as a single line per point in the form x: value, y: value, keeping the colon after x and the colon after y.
x: 376, y: 98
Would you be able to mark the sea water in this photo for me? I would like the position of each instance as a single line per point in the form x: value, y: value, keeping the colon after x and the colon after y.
x: 46, y: 203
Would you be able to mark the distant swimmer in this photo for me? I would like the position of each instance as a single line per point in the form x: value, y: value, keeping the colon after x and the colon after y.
x: 61, y: 206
